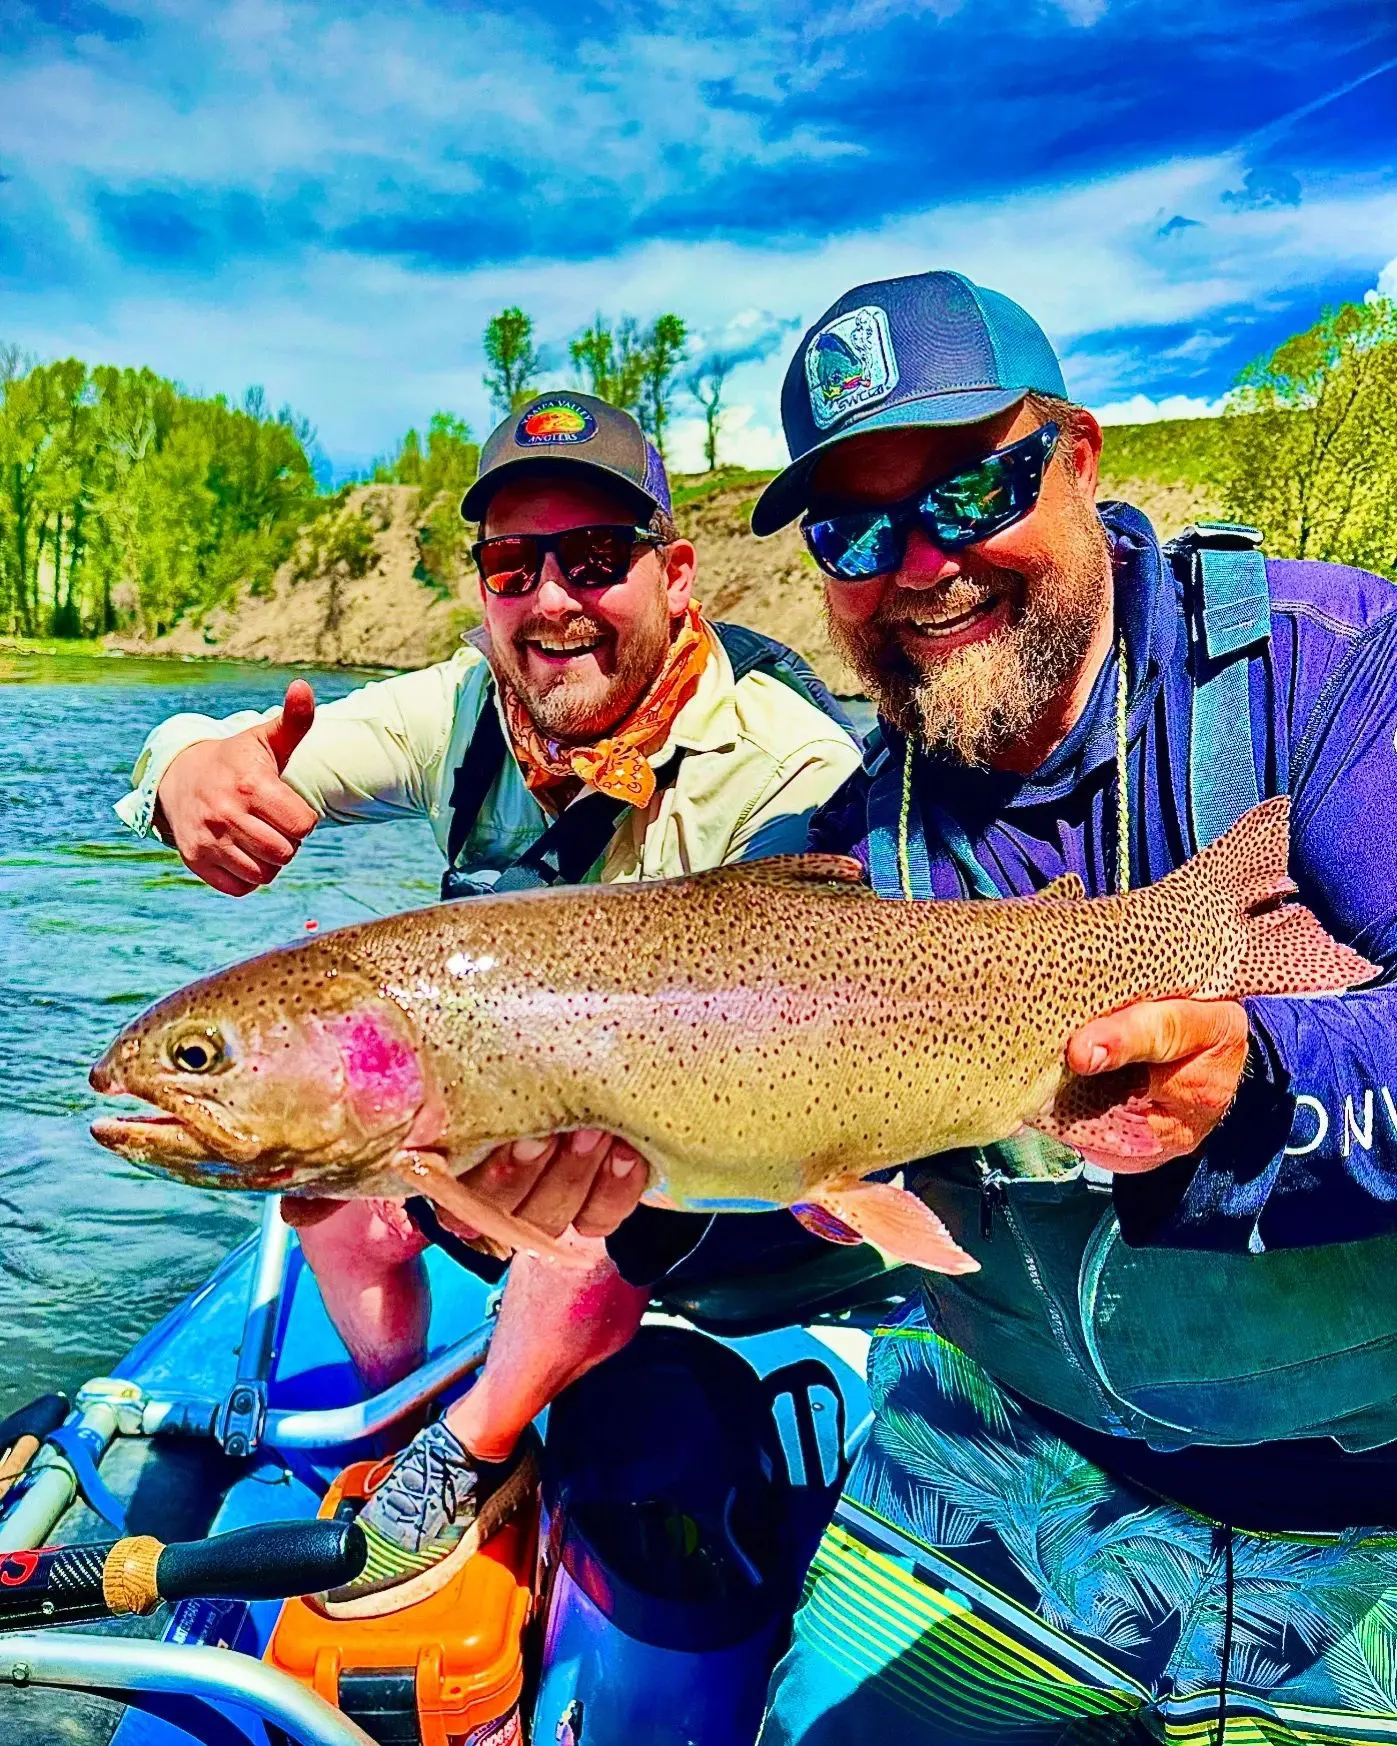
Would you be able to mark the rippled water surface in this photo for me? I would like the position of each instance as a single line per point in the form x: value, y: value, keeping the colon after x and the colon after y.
x: 94, y: 924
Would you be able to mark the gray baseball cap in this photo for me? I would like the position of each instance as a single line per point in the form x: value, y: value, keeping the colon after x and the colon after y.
x: 563, y: 428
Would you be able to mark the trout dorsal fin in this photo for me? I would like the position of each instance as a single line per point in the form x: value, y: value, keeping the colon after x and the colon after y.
x: 841, y: 870
x: 1066, y: 889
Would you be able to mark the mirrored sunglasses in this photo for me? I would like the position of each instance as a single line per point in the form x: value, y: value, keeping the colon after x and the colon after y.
x: 955, y: 512
x: 589, y: 557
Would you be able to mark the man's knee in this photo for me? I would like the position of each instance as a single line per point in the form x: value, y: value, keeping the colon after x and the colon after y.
x: 365, y: 1239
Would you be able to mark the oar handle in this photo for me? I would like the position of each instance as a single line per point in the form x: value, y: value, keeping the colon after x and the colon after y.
x: 58, y: 1585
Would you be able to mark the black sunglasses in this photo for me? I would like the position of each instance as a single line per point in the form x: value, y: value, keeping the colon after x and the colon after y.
x: 589, y: 557
x: 955, y: 512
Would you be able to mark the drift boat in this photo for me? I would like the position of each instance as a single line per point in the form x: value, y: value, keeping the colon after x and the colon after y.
x: 218, y: 1469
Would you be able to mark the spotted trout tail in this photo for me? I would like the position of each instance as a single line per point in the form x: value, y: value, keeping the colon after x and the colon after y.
x: 1275, y: 944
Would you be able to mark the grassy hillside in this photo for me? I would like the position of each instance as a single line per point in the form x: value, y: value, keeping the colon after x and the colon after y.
x: 366, y: 588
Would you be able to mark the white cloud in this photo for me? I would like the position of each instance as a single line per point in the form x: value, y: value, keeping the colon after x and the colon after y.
x: 744, y: 440
x: 1387, y: 280
x: 364, y: 346
x: 1140, y: 409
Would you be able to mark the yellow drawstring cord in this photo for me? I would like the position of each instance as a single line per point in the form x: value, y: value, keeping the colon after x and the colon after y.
x: 1122, y: 774
x: 904, y: 862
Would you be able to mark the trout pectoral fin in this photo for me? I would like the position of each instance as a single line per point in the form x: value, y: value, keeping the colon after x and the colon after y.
x: 426, y: 1173
x: 1104, y: 1116
x: 895, y: 1221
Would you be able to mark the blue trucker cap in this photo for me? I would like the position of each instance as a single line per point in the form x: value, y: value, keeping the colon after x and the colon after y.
x: 928, y: 349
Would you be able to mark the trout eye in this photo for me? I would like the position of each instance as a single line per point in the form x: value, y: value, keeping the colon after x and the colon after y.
x: 197, y: 1052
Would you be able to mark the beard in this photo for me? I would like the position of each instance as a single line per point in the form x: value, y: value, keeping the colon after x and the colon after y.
x: 580, y: 703
x: 976, y: 702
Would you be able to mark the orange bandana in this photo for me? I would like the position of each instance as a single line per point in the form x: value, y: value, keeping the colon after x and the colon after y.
x: 616, y: 765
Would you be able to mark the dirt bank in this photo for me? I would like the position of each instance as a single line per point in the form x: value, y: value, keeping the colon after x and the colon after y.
x: 374, y: 605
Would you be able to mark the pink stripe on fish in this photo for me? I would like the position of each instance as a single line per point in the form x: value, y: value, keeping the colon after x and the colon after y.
x: 382, y: 1074
x: 822, y: 1223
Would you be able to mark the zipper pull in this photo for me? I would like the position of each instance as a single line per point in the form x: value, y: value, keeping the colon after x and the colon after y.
x: 993, y: 1193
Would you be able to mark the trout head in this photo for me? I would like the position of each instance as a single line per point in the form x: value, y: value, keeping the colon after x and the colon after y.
x: 294, y: 1072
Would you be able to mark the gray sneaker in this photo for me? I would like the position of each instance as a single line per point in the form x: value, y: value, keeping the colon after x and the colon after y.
x: 433, y: 1509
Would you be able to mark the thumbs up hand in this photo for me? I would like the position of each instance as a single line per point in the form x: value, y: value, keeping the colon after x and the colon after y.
x: 224, y: 804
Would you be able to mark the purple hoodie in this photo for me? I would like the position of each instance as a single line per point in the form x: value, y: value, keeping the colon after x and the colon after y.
x: 1308, y: 1152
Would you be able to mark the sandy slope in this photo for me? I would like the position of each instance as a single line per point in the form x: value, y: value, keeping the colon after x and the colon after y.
x: 390, y: 617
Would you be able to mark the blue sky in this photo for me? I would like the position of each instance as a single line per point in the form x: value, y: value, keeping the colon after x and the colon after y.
x: 330, y: 198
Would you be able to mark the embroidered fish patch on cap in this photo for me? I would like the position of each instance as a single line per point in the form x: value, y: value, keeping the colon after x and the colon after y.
x: 850, y: 363
x: 556, y: 421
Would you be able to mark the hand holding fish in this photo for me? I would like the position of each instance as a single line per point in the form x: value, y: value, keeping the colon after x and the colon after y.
x: 586, y: 1179
x: 1195, y: 1051
x: 224, y: 805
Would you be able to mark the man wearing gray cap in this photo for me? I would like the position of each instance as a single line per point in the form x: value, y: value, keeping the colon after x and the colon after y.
x: 1134, y: 1479
x: 599, y: 729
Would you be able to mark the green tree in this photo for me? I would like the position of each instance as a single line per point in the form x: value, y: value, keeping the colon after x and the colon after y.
x: 706, y: 384
x: 441, y: 472
x: 611, y: 361
x: 662, y: 348
x: 1309, y: 449
x: 513, y: 358
x: 632, y: 368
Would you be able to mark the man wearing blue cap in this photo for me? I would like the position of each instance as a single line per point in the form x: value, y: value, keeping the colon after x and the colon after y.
x: 1137, y: 1477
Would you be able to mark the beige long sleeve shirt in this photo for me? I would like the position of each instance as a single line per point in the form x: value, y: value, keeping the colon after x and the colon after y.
x: 757, y: 761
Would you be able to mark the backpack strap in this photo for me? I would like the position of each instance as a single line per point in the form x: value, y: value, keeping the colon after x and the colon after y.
x: 1223, y: 573
x: 749, y: 651
x: 480, y: 764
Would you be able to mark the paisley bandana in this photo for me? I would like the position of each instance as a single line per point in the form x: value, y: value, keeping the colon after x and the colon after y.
x: 616, y: 765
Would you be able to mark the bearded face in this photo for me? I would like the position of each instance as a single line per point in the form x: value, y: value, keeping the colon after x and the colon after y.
x: 580, y: 658
x: 971, y: 653
x: 577, y: 674
x: 976, y: 700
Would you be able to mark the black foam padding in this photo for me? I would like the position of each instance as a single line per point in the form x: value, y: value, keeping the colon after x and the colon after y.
x: 264, y: 1563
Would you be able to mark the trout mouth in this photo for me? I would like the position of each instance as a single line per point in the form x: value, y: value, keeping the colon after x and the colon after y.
x: 181, y: 1136
x: 173, y: 1146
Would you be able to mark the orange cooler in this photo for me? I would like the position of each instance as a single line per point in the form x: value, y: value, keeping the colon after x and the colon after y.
x: 447, y: 1672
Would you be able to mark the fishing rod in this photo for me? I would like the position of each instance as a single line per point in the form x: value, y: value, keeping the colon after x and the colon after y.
x: 62, y: 1585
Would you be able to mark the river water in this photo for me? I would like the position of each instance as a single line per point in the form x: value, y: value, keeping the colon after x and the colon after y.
x: 94, y: 925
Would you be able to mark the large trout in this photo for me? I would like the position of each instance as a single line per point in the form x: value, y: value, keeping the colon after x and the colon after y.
x: 765, y: 1035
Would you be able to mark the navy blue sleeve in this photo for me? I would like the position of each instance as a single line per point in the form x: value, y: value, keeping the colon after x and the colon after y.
x: 1308, y: 1152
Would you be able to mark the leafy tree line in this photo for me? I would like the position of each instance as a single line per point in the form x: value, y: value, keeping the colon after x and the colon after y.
x: 1309, y: 446
x: 128, y: 503
x: 124, y: 501
x: 1306, y: 448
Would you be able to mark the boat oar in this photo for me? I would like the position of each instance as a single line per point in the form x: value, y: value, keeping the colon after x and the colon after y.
x: 59, y: 1585
x: 22, y: 1433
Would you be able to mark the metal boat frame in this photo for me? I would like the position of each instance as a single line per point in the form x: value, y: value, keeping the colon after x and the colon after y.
x: 245, y: 1424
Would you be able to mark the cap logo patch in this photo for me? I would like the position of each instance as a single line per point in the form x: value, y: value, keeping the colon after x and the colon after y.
x: 850, y: 363
x: 555, y: 421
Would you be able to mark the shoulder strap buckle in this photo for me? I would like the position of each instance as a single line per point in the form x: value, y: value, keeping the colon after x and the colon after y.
x: 1224, y: 573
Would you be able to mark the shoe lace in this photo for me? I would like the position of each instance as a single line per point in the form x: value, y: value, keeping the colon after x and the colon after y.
x: 425, y: 1483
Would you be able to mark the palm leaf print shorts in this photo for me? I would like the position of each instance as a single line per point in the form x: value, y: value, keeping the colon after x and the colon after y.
x: 982, y: 1581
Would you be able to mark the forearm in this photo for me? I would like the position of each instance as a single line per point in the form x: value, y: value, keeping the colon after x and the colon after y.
x: 1308, y: 1152
x: 377, y: 753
